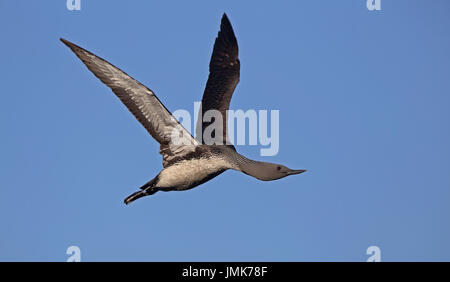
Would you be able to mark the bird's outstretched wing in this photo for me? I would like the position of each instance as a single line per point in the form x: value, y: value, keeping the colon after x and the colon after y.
x: 224, y: 69
x: 174, y: 139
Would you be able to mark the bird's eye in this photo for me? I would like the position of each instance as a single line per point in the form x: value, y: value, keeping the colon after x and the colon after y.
x: 278, y: 167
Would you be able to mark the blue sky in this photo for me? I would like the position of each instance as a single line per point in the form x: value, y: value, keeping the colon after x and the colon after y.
x: 364, y: 106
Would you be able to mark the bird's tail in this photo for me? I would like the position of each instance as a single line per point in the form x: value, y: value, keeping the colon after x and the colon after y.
x: 146, y: 190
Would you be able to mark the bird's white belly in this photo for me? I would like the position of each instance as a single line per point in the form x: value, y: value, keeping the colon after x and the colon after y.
x: 183, y: 174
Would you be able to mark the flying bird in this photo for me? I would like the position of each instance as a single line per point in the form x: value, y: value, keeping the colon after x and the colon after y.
x: 187, y: 162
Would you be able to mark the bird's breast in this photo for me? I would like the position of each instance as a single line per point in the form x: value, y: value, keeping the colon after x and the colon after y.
x: 189, y: 173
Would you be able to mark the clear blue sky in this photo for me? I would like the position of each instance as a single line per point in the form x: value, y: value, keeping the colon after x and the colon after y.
x: 364, y: 106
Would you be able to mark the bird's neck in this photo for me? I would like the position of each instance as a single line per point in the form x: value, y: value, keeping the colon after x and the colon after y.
x: 251, y: 167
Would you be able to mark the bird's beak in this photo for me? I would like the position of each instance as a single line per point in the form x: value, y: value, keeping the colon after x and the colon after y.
x: 296, y: 171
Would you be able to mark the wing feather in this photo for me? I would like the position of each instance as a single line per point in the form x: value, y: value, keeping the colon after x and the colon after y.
x: 174, y: 139
x: 224, y: 71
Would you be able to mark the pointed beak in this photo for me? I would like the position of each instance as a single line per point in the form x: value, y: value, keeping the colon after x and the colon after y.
x: 296, y: 171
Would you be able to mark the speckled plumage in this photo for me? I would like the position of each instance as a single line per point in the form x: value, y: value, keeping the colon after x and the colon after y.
x: 195, y: 168
x: 187, y: 162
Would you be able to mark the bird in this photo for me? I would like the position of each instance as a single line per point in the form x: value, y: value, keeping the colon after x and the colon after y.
x: 187, y: 162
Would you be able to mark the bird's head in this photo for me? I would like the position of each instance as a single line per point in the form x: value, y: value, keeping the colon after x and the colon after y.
x: 269, y: 171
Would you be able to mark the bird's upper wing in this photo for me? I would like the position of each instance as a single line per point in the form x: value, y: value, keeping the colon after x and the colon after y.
x: 174, y: 139
x: 224, y: 69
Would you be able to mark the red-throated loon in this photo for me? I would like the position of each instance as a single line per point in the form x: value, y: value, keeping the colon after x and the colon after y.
x: 187, y: 162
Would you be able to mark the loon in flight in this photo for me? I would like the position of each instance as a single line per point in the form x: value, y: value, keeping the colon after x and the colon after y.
x: 187, y: 162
